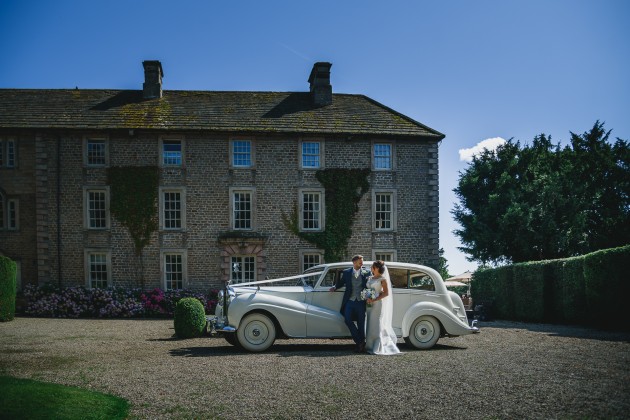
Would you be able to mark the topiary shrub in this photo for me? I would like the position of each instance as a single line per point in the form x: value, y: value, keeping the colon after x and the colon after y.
x: 190, y: 318
x: 7, y: 288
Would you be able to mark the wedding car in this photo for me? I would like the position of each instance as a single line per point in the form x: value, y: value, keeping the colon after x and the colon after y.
x: 252, y: 315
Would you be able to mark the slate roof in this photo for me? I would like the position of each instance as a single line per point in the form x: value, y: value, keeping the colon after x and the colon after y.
x: 271, y: 112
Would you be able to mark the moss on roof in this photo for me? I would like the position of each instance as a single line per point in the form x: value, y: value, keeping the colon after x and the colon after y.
x: 278, y: 112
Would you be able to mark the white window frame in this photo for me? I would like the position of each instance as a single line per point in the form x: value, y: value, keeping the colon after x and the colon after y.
x: 9, y: 213
x: 3, y: 211
x: 88, y: 265
x: 322, y: 208
x: 182, y: 143
x: 86, y: 156
x: 252, y: 193
x: 392, y: 253
x: 394, y: 209
x: 86, y: 207
x: 320, y: 155
x: 310, y: 253
x: 252, y: 153
x: 182, y: 208
x: 391, y: 155
x: 13, y: 220
x: 163, y: 266
x: 8, y: 152
x: 241, y: 257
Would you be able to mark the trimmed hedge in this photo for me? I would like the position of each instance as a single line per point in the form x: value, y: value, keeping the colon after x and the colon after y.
x: 529, y: 288
x: 504, y: 302
x: 606, y: 296
x: 588, y: 290
x: 572, y: 291
x: 8, y: 270
x: 553, y: 271
x: 190, y: 318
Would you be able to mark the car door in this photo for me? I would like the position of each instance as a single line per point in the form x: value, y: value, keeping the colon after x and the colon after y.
x: 323, y: 318
x: 400, y: 281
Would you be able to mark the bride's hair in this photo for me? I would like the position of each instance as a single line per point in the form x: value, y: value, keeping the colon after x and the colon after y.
x: 379, y: 265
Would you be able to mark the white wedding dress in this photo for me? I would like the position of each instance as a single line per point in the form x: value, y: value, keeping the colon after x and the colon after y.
x: 380, y: 337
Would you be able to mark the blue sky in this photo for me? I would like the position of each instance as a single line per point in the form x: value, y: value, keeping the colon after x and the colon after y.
x: 473, y: 70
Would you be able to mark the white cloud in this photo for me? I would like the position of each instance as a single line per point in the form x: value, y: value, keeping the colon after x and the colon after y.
x: 487, y: 144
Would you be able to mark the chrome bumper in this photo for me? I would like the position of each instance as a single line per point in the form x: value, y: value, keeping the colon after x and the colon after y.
x: 474, y: 328
x: 217, y: 324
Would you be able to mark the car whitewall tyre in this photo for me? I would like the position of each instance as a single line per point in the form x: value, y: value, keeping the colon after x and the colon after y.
x: 231, y: 339
x: 424, y: 332
x: 257, y: 332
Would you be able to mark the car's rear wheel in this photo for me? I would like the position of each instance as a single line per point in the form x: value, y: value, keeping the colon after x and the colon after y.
x: 424, y: 332
x: 257, y: 332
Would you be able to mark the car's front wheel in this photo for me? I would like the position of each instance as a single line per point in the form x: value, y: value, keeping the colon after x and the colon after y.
x: 257, y: 332
x: 424, y: 332
x: 231, y: 339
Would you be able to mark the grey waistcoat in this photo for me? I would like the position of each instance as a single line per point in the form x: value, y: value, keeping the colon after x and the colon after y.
x: 356, y: 287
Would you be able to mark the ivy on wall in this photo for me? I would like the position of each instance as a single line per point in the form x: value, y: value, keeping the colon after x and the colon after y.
x: 133, y: 200
x: 344, y: 189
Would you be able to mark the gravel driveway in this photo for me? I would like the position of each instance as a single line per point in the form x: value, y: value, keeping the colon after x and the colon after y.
x: 510, y: 370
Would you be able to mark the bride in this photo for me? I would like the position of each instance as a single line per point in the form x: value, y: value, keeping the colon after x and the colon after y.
x: 380, y: 337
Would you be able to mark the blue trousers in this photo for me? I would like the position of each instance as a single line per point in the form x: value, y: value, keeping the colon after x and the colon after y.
x: 355, y: 311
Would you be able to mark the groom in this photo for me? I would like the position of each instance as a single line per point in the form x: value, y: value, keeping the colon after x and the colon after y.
x: 352, y: 306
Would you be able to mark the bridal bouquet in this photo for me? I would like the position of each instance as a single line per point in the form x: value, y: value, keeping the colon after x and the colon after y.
x: 368, y: 294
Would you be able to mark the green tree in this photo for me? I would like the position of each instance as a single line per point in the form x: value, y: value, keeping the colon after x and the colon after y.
x: 600, y: 187
x: 543, y: 201
x: 442, y: 266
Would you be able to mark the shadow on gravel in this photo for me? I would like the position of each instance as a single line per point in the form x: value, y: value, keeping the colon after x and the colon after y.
x: 282, y: 350
x: 555, y: 330
x: 173, y: 338
x: 292, y: 350
x: 205, y: 351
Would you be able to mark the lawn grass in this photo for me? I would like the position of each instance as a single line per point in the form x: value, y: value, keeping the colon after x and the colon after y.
x: 28, y: 399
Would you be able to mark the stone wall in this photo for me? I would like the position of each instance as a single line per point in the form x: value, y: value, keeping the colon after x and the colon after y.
x: 19, y: 183
x: 206, y: 177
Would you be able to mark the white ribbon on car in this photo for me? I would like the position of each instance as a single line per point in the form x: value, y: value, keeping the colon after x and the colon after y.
x: 259, y: 282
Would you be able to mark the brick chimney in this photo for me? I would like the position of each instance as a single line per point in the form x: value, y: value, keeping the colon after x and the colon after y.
x: 321, y: 90
x: 152, y: 87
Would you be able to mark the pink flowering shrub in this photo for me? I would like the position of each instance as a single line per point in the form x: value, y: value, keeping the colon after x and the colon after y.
x: 79, y: 302
x: 153, y: 302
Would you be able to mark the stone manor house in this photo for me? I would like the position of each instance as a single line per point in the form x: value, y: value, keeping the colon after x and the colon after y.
x: 230, y: 167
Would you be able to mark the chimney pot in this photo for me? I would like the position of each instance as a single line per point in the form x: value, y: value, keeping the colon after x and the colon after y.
x: 152, y: 87
x: 321, y: 89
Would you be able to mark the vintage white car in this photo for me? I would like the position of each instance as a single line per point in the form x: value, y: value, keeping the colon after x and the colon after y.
x: 252, y: 315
